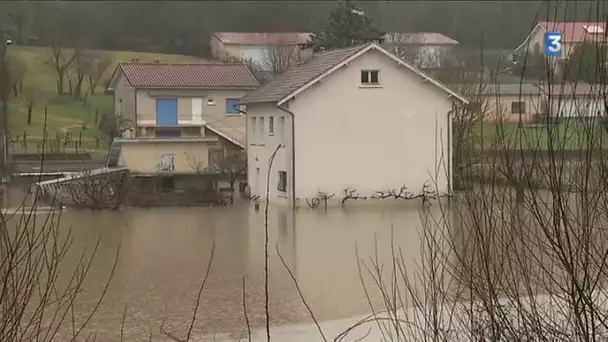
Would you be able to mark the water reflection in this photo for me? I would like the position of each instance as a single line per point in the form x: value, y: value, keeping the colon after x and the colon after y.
x: 164, y: 254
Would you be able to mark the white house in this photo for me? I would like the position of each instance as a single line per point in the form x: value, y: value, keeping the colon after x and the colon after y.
x: 260, y: 48
x: 356, y: 118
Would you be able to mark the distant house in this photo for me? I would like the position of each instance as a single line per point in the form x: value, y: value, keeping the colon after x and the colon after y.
x: 354, y: 118
x: 529, y: 102
x: 173, y: 115
x: 574, y: 34
x: 574, y: 100
x: 255, y: 46
x: 506, y: 102
x: 423, y: 49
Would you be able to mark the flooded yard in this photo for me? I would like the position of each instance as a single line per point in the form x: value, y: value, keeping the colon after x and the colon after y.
x: 164, y: 252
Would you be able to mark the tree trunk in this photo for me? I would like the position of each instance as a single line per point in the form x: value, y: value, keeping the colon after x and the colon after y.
x: 78, y: 87
x: 29, y: 112
x: 60, y: 81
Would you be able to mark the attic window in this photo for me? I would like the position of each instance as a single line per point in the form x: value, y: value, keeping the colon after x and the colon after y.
x: 593, y: 29
x: 369, y: 77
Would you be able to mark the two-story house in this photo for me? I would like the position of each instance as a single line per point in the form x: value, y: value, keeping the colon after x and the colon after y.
x: 177, y: 118
x: 355, y: 118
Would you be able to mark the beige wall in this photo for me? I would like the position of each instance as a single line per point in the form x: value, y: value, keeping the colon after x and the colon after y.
x: 146, y: 105
x: 368, y: 138
x: 498, y: 108
x: 142, y: 157
x: 124, y: 100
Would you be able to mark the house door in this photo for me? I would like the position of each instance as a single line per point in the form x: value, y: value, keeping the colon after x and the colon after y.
x: 166, y: 111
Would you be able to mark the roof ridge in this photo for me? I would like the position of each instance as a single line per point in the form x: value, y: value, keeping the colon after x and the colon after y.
x: 181, y: 63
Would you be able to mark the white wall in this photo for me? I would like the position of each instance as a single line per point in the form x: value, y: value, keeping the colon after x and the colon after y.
x: 371, y: 138
x: 261, y: 147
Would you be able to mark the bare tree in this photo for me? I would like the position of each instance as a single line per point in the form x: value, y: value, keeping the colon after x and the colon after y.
x: 60, y: 60
x: 114, y: 125
x: 93, y: 191
x: 95, y: 68
x: 231, y: 163
x: 279, y: 58
x: 196, y: 163
x: 17, y: 69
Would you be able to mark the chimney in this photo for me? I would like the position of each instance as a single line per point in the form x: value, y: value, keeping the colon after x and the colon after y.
x: 305, y: 52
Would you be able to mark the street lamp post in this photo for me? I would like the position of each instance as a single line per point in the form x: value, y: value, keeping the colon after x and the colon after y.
x: 4, y: 98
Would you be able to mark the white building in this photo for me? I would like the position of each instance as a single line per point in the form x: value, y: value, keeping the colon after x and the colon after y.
x: 364, y: 119
x: 260, y: 48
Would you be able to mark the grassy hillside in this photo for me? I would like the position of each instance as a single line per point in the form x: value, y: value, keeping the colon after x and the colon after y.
x: 65, y: 113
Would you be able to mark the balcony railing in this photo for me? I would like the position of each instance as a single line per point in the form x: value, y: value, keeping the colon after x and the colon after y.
x: 184, y: 120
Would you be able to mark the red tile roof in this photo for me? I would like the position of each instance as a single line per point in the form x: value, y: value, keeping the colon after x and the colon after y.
x: 263, y: 38
x: 576, y: 31
x: 188, y: 75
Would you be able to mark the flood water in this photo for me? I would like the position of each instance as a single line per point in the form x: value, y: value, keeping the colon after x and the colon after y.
x: 164, y: 252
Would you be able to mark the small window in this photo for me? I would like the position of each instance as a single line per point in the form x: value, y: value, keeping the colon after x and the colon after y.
x: 261, y: 129
x: 281, y: 127
x: 232, y: 106
x: 252, y: 129
x: 370, y: 77
x: 165, y: 184
x: 518, y: 107
x: 271, y: 125
x: 282, y: 181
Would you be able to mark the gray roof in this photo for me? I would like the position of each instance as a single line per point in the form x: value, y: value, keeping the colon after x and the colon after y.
x: 293, y: 79
x: 501, y: 88
x: 527, y: 88
x: 420, y: 38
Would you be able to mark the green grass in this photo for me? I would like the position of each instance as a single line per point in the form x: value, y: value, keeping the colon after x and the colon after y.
x: 569, y: 135
x: 65, y: 113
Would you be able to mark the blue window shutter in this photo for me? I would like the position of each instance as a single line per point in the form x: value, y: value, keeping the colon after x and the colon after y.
x: 231, y: 106
x: 166, y: 111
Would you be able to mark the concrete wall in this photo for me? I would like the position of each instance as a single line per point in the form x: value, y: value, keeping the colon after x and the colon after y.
x: 124, y: 100
x: 143, y: 156
x: 261, y: 146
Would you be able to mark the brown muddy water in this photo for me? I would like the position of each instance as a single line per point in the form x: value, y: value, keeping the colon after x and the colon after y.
x: 164, y: 253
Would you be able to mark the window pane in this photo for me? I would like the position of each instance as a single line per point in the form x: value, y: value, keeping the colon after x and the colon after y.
x: 364, y: 77
x: 271, y: 125
x: 231, y: 106
x: 373, y: 76
x: 282, y: 186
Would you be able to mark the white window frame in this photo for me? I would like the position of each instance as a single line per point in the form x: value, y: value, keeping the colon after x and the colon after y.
x: 197, y: 110
x: 284, y: 189
x: 271, y: 125
x: 368, y: 73
x: 253, y: 129
x: 261, y: 127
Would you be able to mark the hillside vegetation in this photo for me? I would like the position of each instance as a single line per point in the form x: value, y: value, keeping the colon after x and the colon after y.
x: 78, y: 116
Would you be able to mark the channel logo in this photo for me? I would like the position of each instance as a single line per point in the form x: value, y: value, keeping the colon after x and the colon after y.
x: 553, y: 44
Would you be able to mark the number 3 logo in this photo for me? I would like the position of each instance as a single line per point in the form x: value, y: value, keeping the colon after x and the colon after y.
x: 553, y: 43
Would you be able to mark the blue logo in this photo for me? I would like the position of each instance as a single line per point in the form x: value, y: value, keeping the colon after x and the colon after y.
x: 553, y: 44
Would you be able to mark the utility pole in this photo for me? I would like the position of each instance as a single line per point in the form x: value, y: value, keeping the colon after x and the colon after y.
x: 4, y: 98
